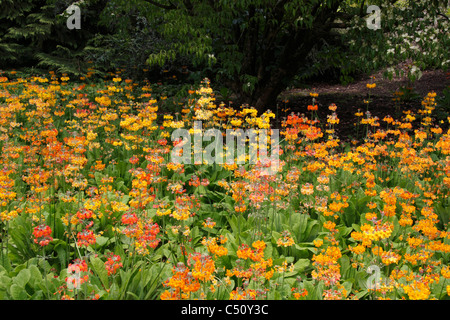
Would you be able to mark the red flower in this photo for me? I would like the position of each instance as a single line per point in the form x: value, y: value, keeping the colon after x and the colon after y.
x: 149, y: 236
x: 134, y: 159
x: 84, y: 214
x: 129, y: 218
x: 112, y: 264
x: 78, y: 266
x: 75, y: 278
x: 42, y: 234
x: 162, y: 142
x: 86, y: 237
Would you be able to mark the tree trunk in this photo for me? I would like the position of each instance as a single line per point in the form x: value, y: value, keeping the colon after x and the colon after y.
x: 265, y: 97
x: 272, y: 82
x: 273, y: 54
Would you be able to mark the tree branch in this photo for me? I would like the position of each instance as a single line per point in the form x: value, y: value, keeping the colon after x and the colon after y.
x: 443, y: 15
x: 361, y: 9
x: 339, y: 25
x: 170, y: 6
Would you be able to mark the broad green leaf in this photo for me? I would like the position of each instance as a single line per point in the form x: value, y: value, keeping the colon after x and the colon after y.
x: 301, y: 265
x: 36, y: 276
x: 102, y: 240
x: 22, y: 277
x: 99, y: 268
x: 18, y: 292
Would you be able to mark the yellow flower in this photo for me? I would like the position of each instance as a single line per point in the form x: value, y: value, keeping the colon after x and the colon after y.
x: 307, y: 189
x: 285, y: 240
x: 417, y: 290
x: 329, y: 225
x: 318, y: 242
x: 103, y: 101
x: 6, y: 216
x: 445, y: 271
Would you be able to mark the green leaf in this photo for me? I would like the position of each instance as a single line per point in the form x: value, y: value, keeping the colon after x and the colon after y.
x: 36, y: 276
x: 344, y: 231
x: 22, y: 277
x: 301, y: 265
x: 99, y: 268
x: 345, y: 266
x: 361, y: 294
x: 348, y: 287
x: 38, y: 295
x: 98, y: 178
x: 133, y: 295
x: 102, y: 240
x: 60, y: 249
x: 18, y: 292
x: 275, y: 236
x: 305, y: 248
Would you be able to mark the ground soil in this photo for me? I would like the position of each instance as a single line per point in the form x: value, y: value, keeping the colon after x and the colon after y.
x: 350, y: 98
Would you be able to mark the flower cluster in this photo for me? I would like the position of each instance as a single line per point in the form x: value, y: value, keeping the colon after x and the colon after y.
x: 42, y: 235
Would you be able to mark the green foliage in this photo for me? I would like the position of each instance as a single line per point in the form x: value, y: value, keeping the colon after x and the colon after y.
x: 34, y: 33
x: 129, y: 40
x: 20, y: 29
x: 413, y: 37
x: 63, y: 60
x: 256, y: 48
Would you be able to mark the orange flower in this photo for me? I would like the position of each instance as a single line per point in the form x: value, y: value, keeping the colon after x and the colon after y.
x: 208, y: 223
x: 285, y: 240
x: 182, y: 283
x: 243, y: 294
x: 42, y: 235
x: 445, y: 271
x: 299, y: 294
x: 329, y: 225
x: 418, y: 290
x: 112, y: 264
x: 129, y: 218
x: 75, y: 269
x: 86, y: 238
x: 318, y: 242
x: 84, y: 214
x: 244, y: 252
x: 203, y: 266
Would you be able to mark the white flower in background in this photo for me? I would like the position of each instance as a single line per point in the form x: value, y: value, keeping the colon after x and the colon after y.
x: 415, y: 71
